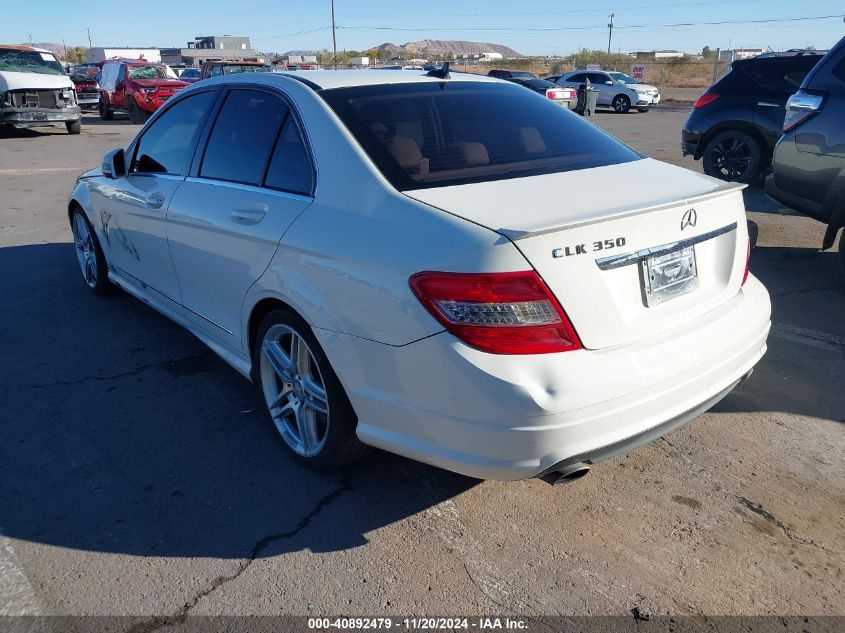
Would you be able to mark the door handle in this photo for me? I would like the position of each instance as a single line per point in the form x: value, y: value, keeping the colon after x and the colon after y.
x: 155, y: 200
x: 768, y: 104
x: 250, y: 214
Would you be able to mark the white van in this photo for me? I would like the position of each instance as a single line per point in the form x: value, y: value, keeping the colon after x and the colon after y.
x: 35, y: 90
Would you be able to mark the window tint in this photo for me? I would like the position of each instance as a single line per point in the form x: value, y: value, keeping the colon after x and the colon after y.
x: 216, y: 71
x: 447, y: 133
x: 240, y: 142
x: 579, y: 77
x: 598, y: 78
x: 781, y: 75
x: 167, y: 146
x: 290, y: 166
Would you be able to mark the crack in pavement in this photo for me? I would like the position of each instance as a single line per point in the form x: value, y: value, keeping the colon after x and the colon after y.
x: 262, y: 544
x: 759, y: 510
x: 186, y: 366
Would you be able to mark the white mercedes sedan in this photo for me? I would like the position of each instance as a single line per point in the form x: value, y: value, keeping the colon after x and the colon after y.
x: 444, y: 266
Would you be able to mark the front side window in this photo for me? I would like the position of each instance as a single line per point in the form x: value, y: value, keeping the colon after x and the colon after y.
x: 623, y: 79
x: 166, y: 147
x: 438, y: 134
x: 246, y: 128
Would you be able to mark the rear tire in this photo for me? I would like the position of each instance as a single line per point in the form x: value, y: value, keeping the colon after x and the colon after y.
x: 103, y: 108
x: 305, y: 400
x: 74, y: 127
x: 621, y: 104
x: 733, y: 155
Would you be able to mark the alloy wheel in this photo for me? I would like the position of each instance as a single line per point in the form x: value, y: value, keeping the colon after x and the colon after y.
x: 731, y: 157
x: 620, y: 105
x: 294, y: 390
x: 85, y: 253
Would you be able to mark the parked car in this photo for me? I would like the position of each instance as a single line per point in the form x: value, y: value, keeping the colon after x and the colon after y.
x: 35, y: 90
x: 511, y: 74
x: 552, y: 78
x: 84, y: 78
x: 562, y: 95
x: 645, y: 91
x: 808, y: 170
x: 379, y: 252
x: 613, y: 93
x: 190, y: 75
x: 215, y: 69
x: 734, y: 125
x: 136, y: 87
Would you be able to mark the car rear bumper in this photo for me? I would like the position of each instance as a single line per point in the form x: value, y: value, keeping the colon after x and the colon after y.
x: 515, y: 417
x: 802, y: 205
x: 33, y: 117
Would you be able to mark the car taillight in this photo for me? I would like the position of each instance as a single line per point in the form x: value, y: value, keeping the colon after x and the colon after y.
x: 747, y: 261
x: 499, y: 313
x: 554, y: 93
x: 703, y: 100
x: 800, y: 107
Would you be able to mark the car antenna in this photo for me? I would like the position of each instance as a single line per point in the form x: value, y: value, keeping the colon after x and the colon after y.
x: 440, y: 73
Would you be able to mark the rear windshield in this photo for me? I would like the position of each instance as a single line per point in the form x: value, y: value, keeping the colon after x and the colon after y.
x: 437, y: 134
x: 232, y: 69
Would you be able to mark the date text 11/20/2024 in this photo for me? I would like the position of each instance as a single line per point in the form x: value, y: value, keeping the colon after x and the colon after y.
x: 418, y: 624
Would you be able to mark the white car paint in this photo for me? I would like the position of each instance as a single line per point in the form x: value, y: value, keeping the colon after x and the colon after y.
x: 343, y: 260
x: 10, y: 80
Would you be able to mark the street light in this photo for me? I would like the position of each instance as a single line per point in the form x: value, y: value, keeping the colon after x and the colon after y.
x: 609, y: 32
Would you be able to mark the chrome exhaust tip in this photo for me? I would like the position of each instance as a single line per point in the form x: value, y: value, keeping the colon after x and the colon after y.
x: 567, y: 474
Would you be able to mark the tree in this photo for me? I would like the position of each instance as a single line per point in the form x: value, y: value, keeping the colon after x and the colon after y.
x: 707, y: 52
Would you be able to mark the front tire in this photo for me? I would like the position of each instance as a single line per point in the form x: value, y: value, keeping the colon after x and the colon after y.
x: 103, y: 109
x: 73, y: 127
x: 304, y: 397
x: 621, y: 104
x: 734, y: 156
x: 92, y: 261
x: 136, y: 115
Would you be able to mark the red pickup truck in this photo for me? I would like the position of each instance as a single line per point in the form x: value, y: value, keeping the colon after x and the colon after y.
x: 136, y: 87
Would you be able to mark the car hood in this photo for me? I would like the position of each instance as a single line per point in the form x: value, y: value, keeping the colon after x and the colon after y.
x: 19, y: 81
x: 160, y: 83
x: 518, y: 207
x: 640, y: 87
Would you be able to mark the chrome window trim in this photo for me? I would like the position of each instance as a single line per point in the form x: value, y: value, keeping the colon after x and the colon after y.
x: 625, y: 259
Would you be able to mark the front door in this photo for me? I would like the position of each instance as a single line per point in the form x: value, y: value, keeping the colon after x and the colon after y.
x: 133, y: 209
x: 225, y: 222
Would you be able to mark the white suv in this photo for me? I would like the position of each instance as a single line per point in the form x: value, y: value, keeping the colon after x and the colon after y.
x: 616, y: 90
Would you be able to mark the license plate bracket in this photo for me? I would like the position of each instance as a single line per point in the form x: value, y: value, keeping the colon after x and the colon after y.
x: 667, y: 276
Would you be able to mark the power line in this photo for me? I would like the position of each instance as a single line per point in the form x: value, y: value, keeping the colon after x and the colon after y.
x: 586, y: 28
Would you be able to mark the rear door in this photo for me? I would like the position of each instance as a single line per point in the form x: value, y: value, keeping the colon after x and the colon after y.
x: 253, y: 179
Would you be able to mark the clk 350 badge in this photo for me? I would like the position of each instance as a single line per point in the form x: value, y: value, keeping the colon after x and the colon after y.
x: 581, y: 249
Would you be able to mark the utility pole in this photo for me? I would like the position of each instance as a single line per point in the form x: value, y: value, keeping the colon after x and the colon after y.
x: 90, y: 52
x: 64, y: 46
x: 610, y: 32
x: 334, y: 38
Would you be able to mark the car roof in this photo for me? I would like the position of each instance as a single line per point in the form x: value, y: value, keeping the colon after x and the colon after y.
x: 329, y: 79
x: 23, y: 47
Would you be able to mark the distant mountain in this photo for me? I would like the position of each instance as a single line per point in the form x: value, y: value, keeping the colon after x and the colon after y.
x: 57, y: 49
x: 301, y: 53
x: 441, y: 47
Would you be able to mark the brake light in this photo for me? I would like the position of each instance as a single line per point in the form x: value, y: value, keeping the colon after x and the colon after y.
x: 554, y: 93
x: 498, y: 313
x: 800, y: 107
x: 706, y: 98
x: 747, y: 261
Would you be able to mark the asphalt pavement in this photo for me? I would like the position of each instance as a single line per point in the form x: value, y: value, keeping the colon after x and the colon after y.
x: 140, y: 476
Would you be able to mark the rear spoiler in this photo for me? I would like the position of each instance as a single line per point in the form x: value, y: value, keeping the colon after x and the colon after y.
x: 625, y: 212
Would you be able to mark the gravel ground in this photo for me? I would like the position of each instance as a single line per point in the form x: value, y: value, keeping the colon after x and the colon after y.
x: 139, y: 476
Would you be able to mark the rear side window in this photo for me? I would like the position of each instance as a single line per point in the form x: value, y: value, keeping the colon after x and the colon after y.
x: 783, y: 75
x: 240, y: 143
x: 290, y: 167
x: 166, y: 147
x: 447, y: 133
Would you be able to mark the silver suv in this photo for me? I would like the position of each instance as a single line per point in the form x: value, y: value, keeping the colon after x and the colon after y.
x: 616, y: 90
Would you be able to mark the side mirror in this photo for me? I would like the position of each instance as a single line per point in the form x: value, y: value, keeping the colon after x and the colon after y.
x: 608, y: 83
x: 114, y: 163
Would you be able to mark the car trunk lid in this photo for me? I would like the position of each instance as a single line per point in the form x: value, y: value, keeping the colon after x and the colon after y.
x: 589, y: 232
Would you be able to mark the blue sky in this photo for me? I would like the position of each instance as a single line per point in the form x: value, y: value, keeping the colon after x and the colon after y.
x: 302, y: 24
